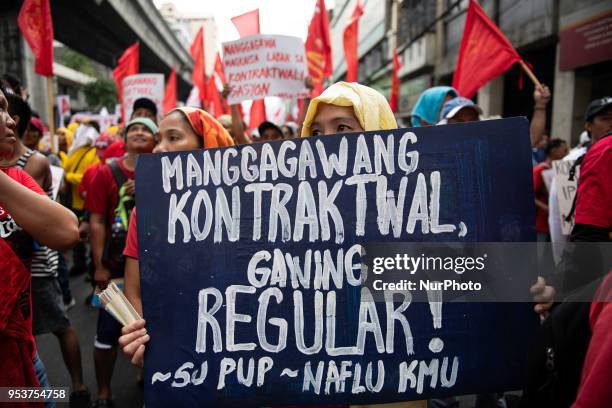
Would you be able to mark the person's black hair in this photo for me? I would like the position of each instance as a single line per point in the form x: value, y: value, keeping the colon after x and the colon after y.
x: 94, y: 124
x: 35, y: 114
x: 145, y: 103
x: 292, y: 133
x: 18, y: 107
x: 553, y: 144
x: 13, y: 82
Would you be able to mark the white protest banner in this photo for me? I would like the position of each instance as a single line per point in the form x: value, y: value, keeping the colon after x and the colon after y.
x: 566, y: 191
x: 57, y: 175
x: 265, y: 65
x: 149, y: 86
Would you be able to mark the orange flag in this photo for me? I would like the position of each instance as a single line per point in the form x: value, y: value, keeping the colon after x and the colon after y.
x: 351, y: 41
x: 169, y: 102
x: 484, y: 54
x: 127, y: 65
x: 36, y: 25
x: 395, y: 83
x: 198, y: 76
x: 318, y: 48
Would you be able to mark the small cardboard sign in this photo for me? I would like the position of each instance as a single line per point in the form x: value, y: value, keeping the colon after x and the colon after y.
x: 566, y: 191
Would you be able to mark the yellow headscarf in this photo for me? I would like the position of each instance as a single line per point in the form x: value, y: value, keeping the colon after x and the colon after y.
x: 73, y: 127
x: 112, y: 130
x: 371, y: 108
x: 68, y: 135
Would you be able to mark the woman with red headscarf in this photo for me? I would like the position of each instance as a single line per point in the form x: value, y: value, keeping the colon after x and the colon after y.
x: 181, y: 130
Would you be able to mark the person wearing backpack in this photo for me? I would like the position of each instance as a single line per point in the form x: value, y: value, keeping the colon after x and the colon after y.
x: 110, y: 199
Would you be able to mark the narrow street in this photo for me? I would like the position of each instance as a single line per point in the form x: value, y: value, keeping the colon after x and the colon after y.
x: 126, y: 392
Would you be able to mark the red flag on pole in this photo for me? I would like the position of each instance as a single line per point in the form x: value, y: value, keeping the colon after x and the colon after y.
x: 198, y: 76
x: 247, y: 23
x: 351, y: 37
x: 395, y: 83
x: 127, y: 65
x: 36, y: 25
x: 484, y: 54
x: 258, y: 113
x: 169, y: 102
x: 216, y: 105
x: 318, y: 48
x: 219, y: 68
x: 220, y: 72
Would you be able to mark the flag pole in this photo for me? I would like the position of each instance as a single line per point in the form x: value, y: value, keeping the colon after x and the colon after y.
x: 50, y: 112
x: 530, y: 74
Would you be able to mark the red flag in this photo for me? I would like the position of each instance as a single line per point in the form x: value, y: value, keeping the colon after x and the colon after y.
x: 258, y: 113
x: 484, y: 54
x: 351, y: 36
x: 216, y: 105
x: 219, y: 68
x: 318, y: 48
x: 220, y: 72
x: 36, y: 26
x: 247, y: 23
x: 126, y: 66
x: 169, y: 102
x: 395, y: 83
x: 198, y: 76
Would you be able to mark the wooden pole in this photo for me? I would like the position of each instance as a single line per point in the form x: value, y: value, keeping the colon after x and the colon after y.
x: 50, y: 113
x: 530, y: 74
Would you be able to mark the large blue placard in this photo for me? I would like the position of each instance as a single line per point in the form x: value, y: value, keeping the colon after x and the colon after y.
x: 251, y: 277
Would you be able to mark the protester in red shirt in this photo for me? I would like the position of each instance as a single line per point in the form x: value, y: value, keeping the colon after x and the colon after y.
x: 593, y: 223
x: 555, y: 149
x: 593, y: 214
x: 595, y: 390
x: 26, y: 213
x: 102, y: 198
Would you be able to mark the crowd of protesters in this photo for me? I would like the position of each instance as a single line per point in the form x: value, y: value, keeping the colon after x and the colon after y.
x: 93, y: 230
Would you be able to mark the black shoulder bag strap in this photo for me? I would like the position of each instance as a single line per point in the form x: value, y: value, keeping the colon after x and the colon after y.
x: 118, y: 174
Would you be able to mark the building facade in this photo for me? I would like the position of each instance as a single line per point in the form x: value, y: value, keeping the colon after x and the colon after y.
x: 186, y: 25
x: 568, y: 43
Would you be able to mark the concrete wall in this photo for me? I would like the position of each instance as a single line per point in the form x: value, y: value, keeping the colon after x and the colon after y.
x: 371, y: 30
x: 36, y: 84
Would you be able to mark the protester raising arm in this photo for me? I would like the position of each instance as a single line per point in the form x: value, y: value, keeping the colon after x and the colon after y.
x: 237, y: 127
x: 45, y: 220
x: 310, y: 87
x: 537, y: 128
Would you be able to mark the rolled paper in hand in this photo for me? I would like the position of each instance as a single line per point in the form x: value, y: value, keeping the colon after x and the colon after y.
x: 115, y: 302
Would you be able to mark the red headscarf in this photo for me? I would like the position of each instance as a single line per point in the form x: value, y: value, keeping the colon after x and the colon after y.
x: 207, y: 127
